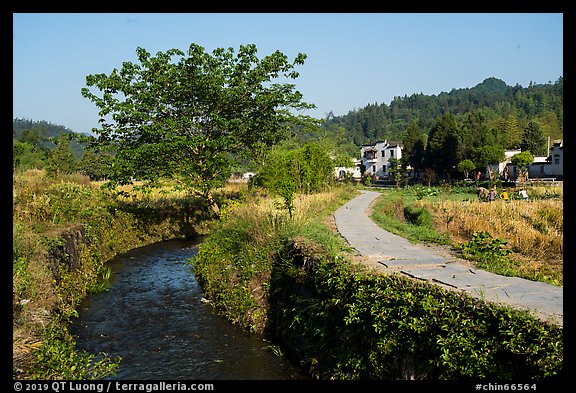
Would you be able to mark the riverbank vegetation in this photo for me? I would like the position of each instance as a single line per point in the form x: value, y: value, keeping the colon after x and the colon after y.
x: 234, y: 263
x: 288, y: 277
x: 65, y: 228
x: 522, y: 238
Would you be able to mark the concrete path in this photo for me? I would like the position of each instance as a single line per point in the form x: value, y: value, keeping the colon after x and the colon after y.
x: 389, y: 253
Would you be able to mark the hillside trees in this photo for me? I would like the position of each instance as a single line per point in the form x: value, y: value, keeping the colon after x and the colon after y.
x: 27, y: 156
x: 533, y: 140
x: 182, y: 114
x: 442, y: 150
x: 506, y: 108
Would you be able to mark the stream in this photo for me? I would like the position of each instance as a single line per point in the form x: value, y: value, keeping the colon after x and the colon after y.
x: 154, y: 317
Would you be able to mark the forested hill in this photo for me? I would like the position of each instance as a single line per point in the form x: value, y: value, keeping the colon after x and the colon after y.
x: 44, y: 128
x: 500, y: 105
x: 38, y: 132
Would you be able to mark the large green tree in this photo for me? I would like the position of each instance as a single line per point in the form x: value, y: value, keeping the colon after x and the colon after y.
x: 414, y: 146
x: 533, y: 140
x: 184, y: 114
x: 443, y: 147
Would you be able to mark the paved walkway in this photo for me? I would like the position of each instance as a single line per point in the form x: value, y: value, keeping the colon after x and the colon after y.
x: 388, y: 253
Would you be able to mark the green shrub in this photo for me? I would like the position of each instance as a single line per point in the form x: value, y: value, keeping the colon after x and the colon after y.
x: 346, y: 324
x: 57, y: 358
x: 489, y: 253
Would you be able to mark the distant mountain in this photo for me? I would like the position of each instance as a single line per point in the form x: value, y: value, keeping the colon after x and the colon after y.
x: 44, y: 130
x: 497, y: 102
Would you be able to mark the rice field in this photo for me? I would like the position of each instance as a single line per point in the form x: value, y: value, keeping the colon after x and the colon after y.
x: 532, y: 228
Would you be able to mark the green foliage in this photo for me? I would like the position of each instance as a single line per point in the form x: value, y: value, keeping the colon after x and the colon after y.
x: 341, y: 322
x: 41, y: 134
x: 102, y: 283
x: 57, y: 358
x: 305, y: 170
x: 486, y: 156
x: 466, y: 166
x: 27, y: 156
x: 418, y: 216
x: 234, y: 263
x: 96, y: 164
x: 522, y: 160
x: 62, y: 160
x: 422, y: 192
x: 442, y: 150
x: 182, y: 114
x: 413, y: 151
x: 345, y: 324
x: 533, y: 139
x: 507, y: 109
x: 64, y: 229
x: 398, y: 215
x: 489, y: 253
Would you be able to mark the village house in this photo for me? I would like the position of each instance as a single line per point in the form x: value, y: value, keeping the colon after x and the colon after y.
x: 354, y: 172
x: 376, y: 157
x: 550, y: 167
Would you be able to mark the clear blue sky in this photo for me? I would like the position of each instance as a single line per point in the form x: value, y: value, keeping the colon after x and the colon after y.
x: 353, y: 58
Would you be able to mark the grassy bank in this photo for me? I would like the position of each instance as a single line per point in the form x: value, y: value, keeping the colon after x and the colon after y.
x: 292, y: 279
x: 515, y: 238
x: 235, y: 261
x: 64, y: 231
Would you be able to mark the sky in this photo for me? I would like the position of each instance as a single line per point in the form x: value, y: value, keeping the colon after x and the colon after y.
x: 353, y: 59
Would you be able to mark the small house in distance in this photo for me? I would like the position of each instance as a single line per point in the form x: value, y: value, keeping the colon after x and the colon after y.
x: 376, y: 157
x: 353, y: 172
x: 550, y: 167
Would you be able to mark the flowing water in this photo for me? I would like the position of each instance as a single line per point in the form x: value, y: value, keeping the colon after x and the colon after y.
x: 154, y: 317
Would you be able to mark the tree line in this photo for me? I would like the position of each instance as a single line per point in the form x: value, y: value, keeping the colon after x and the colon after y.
x: 501, y: 108
x: 57, y: 149
x: 453, y: 146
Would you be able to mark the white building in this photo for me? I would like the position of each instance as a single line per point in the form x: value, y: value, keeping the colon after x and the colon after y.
x: 376, y: 157
x: 341, y: 172
x: 544, y: 167
x: 551, y: 166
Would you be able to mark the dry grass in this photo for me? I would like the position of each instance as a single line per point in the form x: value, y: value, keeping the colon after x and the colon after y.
x: 533, y: 228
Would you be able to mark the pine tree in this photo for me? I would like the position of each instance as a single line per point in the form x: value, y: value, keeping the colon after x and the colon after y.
x: 62, y: 160
x: 533, y: 140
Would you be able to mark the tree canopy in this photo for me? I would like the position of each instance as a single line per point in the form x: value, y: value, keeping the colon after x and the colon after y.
x: 505, y: 108
x: 182, y: 114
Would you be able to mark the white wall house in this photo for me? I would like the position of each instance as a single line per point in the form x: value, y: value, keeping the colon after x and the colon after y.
x: 375, y: 157
x: 341, y: 172
x: 499, y: 169
x: 544, y: 167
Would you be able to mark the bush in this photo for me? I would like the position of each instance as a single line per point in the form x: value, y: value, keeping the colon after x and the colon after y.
x: 342, y: 323
x: 306, y: 170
